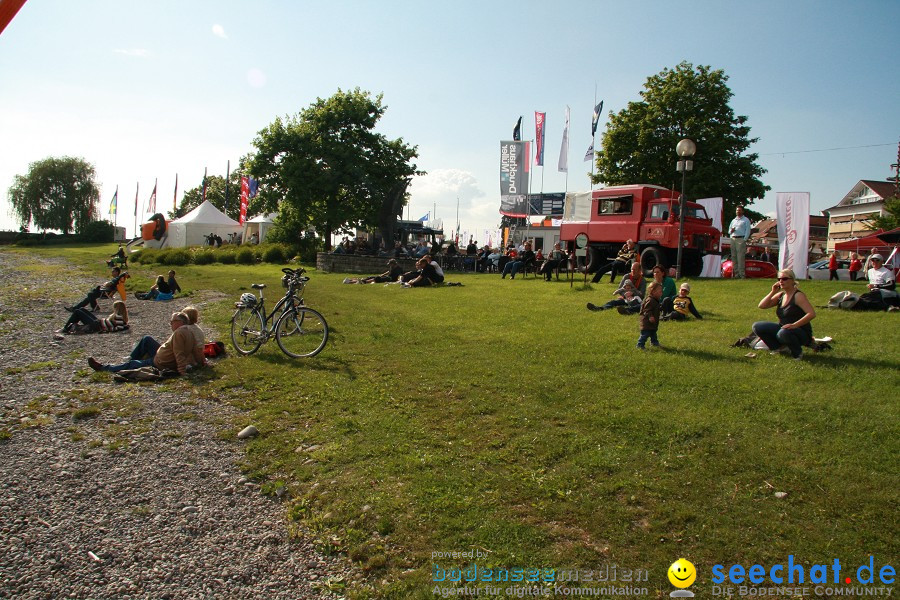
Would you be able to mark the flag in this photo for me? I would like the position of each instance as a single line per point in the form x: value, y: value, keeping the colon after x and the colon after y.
x: 597, y: 110
x: 136, y: 197
x: 254, y: 188
x: 151, y: 206
x: 113, y: 204
x: 203, y: 199
x: 792, y: 212
x: 426, y: 217
x: 245, y: 193
x: 564, y: 150
x: 517, y: 130
x: 175, y: 195
x: 590, y: 153
x: 540, y: 119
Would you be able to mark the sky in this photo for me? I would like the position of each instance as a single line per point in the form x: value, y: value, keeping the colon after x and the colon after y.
x: 145, y: 90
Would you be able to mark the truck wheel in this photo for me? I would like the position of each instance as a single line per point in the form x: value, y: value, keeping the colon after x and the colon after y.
x: 691, y: 265
x: 652, y: 256
x: 595, y: 259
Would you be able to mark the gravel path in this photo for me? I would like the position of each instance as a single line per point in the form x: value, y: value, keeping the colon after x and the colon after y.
x: 141, y: 499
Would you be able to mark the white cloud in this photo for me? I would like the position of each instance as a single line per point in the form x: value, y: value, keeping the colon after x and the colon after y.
x: 445, y: 184
x: 138, y: 52
x: 219, y: 31
x: 256, y: 78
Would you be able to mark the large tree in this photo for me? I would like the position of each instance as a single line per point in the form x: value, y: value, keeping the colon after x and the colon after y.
x: 684, y: 102
x: 57, y: 193
x: 327, y: 168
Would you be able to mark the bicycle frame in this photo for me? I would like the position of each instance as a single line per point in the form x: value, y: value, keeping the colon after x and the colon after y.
x: 282, y: 304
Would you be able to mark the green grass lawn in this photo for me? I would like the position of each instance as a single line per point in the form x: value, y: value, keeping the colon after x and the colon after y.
x: 503, y: 416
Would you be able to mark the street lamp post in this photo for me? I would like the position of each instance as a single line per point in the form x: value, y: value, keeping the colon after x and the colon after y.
x: 686, y: 149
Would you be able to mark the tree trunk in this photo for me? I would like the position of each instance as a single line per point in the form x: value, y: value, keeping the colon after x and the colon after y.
x: 391, y: 208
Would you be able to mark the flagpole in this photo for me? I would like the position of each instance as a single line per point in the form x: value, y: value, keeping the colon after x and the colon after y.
x: 136, y: 193
x: 116, y: 196
x: 528, y: 206
x: 593, y: 140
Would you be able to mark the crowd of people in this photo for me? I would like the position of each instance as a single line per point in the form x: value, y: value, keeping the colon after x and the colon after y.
x: 180, y: 353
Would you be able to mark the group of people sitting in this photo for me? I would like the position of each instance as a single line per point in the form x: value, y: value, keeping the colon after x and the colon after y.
x: 163, y: 289
x: 181, y: 352
x: 631, y: 293
x: 427, y: 272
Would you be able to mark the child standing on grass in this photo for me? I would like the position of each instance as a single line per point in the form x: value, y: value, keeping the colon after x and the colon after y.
x: 650, y: 315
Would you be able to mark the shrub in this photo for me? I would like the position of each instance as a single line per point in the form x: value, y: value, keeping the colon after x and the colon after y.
x: 227, y: 258
x: 274, y: 254
x: 175, y: 256
x: 146, y: 256
x: 246, y: 256
x: 98, y: 232
x: 204, y: 257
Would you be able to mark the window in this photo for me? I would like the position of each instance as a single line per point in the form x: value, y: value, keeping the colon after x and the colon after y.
x: 659, y: 211
x: 614, y: 206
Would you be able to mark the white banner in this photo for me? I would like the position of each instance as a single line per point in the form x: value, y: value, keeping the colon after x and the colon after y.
x: 793, y: 231
x: 564, y: 150
x: 712, y: 263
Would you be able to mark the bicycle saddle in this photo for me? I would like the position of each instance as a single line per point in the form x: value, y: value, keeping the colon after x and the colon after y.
x: 258, y: 286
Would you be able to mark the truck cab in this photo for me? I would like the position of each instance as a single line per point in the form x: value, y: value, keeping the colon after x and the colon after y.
x: 647, y: 214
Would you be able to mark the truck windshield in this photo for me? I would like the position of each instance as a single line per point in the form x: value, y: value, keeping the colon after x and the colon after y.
x: 691, y: 212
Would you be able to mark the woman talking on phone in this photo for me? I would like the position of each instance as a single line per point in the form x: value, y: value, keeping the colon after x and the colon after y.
x: 794, y: 313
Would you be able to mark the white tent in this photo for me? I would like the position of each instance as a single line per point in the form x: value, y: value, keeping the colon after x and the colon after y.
x: 192, y: 228
x: 260, y: 225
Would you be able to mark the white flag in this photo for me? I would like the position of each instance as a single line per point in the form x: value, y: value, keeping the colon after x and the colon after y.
x: 564, y: 151
x: 589, y: 154
x: 793, y: 231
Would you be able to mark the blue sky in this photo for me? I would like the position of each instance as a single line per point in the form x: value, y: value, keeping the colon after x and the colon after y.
x: 147, y: 90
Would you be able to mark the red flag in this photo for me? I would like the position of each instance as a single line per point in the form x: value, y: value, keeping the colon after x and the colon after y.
x: 151, y: 206
x: 245, y: 192
x: 539, y: 120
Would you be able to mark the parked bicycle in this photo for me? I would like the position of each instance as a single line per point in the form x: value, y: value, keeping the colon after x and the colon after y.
x: 299, y: 330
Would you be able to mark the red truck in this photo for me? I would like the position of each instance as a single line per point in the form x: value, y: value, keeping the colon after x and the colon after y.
x: 603, y: 220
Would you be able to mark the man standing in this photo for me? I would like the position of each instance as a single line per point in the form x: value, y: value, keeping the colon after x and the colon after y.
x: 739, y: 230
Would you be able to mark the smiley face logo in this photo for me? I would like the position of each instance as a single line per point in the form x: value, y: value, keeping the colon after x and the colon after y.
x: 682, y: 573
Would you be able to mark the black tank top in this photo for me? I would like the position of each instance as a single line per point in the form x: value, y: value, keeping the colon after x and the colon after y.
x: 791, y: 313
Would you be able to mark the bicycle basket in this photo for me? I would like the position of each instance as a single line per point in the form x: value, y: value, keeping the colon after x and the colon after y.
x: 248, y: 300
x: 285, y: 281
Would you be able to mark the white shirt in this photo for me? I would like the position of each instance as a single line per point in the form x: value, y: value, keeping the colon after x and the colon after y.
x: 739, y: 228
x: 880, y: 276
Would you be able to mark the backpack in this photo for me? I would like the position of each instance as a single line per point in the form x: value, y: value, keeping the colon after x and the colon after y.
x: 213, y: 349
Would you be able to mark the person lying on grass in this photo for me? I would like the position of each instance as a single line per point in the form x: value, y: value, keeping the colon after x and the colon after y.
x: 392, y: 274
x: 84, y: 321
x: 628, y: 301
x: 178, y: 353
x: 104, y: 290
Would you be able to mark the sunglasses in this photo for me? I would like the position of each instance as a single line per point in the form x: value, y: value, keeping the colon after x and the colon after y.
x: 785, y: 278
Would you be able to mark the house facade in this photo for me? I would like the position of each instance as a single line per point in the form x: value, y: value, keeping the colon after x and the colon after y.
x: 851, y: 218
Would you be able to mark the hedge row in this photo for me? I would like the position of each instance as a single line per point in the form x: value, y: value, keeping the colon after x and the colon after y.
x: 204, y: 255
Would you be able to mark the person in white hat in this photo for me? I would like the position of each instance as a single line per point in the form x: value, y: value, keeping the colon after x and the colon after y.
x: 880, y: 277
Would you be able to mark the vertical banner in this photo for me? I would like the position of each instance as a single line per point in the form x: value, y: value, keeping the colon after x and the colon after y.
x: 564, y: 150
x: 712, y: 263
x: 151, y: 205
x: 245, y: 195
x: 514, y: 170
x: 175, y: 196
x: 114, y: 203
x: 539, y: 120
x: 793, y: 231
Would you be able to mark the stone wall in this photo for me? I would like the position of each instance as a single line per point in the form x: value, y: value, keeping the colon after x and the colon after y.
x: 353, y: 263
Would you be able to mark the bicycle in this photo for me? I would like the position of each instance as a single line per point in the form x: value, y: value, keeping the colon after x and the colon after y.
x: 300, y: 331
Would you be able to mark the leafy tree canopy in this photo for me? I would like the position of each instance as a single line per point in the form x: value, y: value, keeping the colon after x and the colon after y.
x: 684, y: 102
x: 57, y: 193
x: 890, y: 220
x: 327, y: 168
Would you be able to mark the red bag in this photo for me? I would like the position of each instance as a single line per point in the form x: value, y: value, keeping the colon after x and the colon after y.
x: 213, y: 349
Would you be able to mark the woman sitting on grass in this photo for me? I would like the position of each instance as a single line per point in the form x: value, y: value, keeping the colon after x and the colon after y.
x: 794, y: 313
x: 427, y: 275
x: 84, y: 321
x: 160, y: 287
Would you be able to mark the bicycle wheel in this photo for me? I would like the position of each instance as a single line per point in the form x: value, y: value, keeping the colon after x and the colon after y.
x: 247, y: 330
x: 301, y: 332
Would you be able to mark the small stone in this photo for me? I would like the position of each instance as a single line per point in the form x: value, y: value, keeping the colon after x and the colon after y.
x: 780, y: 495
x: 190, y: 510
x: 248, y: 432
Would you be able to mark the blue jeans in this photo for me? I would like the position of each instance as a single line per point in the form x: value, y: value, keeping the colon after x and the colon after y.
x: 142, y: 355
x: 775, y: 337
x: 645, y: 334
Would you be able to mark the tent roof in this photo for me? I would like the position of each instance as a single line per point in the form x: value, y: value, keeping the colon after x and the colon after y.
x: 869, y: 242
x: 207, y: 214
x: 269, y: 218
